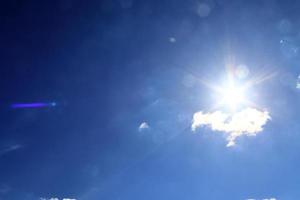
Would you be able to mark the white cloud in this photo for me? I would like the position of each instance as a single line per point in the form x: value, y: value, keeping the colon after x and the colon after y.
x: 249, y: 122
x: 143, y: 126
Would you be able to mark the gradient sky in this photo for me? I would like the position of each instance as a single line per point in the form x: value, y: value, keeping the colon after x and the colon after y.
x: 124, y: 76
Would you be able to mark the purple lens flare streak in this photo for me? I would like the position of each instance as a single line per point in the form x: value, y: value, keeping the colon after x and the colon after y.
x: 32, y: 105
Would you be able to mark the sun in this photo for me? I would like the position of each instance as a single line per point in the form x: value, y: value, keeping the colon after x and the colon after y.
x: 232, y: 96
x: 235, y: 93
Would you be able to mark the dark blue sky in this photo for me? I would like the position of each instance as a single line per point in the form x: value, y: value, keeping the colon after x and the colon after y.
x: 110, y: 65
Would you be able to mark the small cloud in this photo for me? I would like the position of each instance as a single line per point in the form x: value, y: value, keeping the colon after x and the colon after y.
x: 249, y: 122
x: 172, y: 39
x: 143, y: 126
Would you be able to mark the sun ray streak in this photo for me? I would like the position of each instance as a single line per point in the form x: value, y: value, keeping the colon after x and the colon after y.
x: 260, y: 79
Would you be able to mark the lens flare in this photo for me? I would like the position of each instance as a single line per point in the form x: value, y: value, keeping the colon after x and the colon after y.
x: 33, y: 105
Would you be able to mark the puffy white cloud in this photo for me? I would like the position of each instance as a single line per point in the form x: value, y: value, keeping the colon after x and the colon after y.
x: 248, y: 121
x: 143, y: 126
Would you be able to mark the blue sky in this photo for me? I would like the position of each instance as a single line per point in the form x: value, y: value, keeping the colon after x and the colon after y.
x: 119, y: 83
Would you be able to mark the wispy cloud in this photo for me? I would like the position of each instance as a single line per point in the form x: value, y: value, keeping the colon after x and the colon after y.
x: 10, y: 148
x: 4, y: 189
x: 143, y: 126
x: 249, y: 122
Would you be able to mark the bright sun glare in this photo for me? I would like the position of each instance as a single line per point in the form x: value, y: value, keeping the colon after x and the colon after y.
x: 232, y: 96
